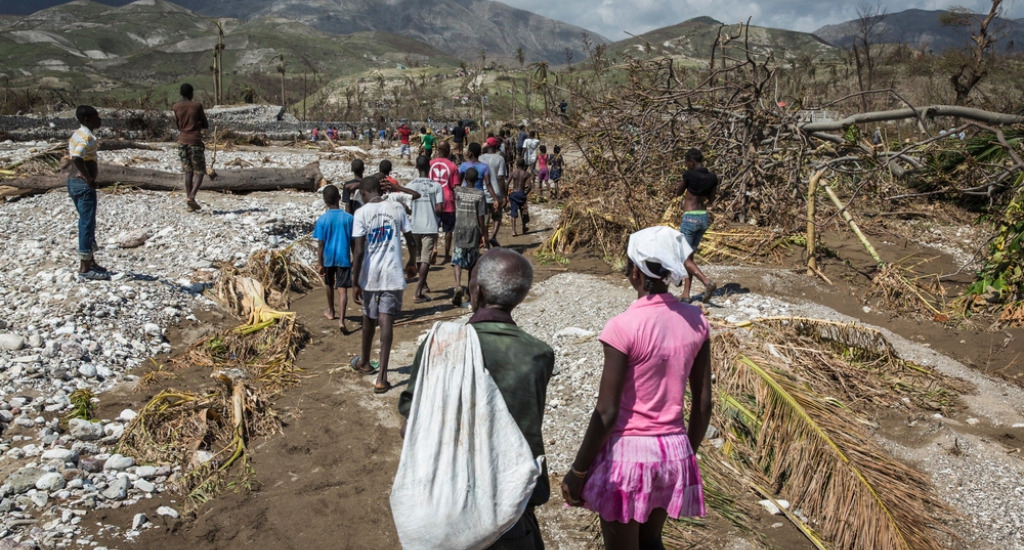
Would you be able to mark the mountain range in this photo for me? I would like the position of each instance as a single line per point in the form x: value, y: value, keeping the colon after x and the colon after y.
x: 461, y: 28
x: 694, y: 38
x: 922, y: 29
x: 90, y: 46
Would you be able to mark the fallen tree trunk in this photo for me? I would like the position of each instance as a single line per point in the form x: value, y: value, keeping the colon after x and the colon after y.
x: 242, y: 181
x: 969, y: 113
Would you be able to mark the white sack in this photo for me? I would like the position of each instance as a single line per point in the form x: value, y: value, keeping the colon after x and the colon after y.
x: 466, y: 472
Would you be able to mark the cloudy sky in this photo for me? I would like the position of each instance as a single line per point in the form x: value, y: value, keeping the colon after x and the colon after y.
x: 612, y: 17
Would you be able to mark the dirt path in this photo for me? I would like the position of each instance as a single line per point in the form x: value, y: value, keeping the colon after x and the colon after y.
x: 324, y: 482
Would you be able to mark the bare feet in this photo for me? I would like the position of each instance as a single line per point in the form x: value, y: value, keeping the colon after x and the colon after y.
x: 344, y: 328
x: 331, y: 315
x: 709, y: 291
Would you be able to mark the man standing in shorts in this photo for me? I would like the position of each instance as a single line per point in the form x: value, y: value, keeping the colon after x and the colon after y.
x: 459, y: 137
x: 499, y: 183
x: 333, y: 232
x: 698, y: 189
x: 377, y: 274
x: 444, y: 173
x: 403, y: 134
x: 425, y: 211
x: 470, y: 228
x: 191, y: 121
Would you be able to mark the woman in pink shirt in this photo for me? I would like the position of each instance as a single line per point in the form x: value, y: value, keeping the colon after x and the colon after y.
x: 637, y: 464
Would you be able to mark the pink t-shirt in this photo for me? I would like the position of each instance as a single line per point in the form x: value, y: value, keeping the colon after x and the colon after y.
x: 661, y: 336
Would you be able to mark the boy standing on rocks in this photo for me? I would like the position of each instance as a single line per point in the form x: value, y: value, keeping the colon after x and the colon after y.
x: 333, y: 231
x: 82, y: 148
x: 191, y: 120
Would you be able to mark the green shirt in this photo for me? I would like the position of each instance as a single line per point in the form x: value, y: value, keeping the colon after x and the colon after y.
x: 521, y: 367
x: 428, y: 141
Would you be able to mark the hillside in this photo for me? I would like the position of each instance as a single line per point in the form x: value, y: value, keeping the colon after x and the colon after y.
x: 85, y: 45
x: 921, y: 29
x: 694, y: 38
x: 459, y: 27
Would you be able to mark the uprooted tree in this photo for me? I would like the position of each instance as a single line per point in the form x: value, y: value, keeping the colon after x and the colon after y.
x: 765, y: 154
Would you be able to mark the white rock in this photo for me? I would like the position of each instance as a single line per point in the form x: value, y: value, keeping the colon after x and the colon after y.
x: 11, y: 342
x: 85, y: 430
x: 127, y: 415
x: 772, y: 508
x: 146, y: 472
x: 114, y: 429
x: 87, y: 370
x: 61, y: 454
x: 50, y: 482
x: 118, y: 462
x: 139, y: 520
x: 152, y: 329
x: 573, y: 332
x: 145, y: 486
x: 118, y: 489
x: 973, y: 421
x: 132, y: 239
x: 167, y: 511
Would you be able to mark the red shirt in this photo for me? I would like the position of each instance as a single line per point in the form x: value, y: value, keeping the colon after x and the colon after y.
x: 405, y: 133
x: 444, y: 173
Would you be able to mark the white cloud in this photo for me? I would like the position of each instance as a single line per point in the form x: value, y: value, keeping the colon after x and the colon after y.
x: 612, y: 17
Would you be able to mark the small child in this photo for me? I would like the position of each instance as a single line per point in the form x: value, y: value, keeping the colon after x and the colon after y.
x: 543, y: 175
x: 557, y: 164
x: 521, y: 188
x: 427, y: 139
x: 333, y: 230
x: 470, y: 228
x: 82, y: 148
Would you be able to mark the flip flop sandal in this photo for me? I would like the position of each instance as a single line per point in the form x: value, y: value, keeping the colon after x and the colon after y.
x: 709, y: 291
x: 373, y: 364
x: 387, y: 387
x: 94, y: 276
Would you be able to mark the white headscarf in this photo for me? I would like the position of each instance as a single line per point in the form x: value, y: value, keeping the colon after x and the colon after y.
x: 662, y: 245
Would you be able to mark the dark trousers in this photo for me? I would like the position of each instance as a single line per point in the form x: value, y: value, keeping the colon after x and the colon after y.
x: 84, y: 198
x: 524, y: 535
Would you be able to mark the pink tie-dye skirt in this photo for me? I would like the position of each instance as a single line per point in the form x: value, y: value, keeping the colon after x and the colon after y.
x: 635, y: 475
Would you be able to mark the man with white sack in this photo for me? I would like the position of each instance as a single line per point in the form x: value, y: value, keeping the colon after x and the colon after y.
x: 472, y: 468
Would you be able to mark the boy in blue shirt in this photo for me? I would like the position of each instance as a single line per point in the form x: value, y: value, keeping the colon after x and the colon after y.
x: 333, y: 230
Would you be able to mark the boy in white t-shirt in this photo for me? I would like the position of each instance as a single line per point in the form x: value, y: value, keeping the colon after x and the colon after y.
x: 377, y: 273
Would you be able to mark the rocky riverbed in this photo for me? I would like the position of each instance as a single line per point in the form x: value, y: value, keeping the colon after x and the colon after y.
x: 59, y: 334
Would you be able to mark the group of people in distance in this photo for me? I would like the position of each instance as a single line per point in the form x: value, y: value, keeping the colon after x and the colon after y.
x: 360, y: 235
x: 636, y: 464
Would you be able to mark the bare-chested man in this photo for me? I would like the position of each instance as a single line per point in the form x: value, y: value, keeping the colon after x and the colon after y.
x: 522, y: 185
x: 698, y: 189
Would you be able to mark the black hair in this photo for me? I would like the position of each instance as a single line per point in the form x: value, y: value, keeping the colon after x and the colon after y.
x: 474, y: 149
x: 694, y: 155
x: 521, y: 163
x: 186, y: 90
x: 423, y: 129
x: 543, y: 148
x: 385, y: 167
x: 371, y: 184
x: 423, y: 163
x: 654, y: 267
x: 490, y: 134
x: 85, y: 111
x: 558, y: 149
x: 358, y: 166
x: 331, y: 195
x: 472, y: 175
x: 533, y: 134
x: 460, y: 123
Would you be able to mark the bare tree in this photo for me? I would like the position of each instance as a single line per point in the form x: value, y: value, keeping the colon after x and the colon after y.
x: 868, y: 33
x: 967, y: 67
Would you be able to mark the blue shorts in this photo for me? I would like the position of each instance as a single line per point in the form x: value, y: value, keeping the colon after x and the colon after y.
x: 693, y: 227
x: 465, y: 258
